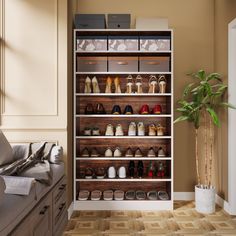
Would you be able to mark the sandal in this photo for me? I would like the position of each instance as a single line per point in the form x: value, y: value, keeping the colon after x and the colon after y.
x: 108, y: 195
x: 130, y: 195
x: 152, y: 195
x: 152, y: 84
x: 138, y: 83
x: 140, y: 195
x: 162, y: 84
x: 96, y: 195
x: 163, y: 195
x: 119, y: 195
x: 129, y: 84
x: 83, y: 195
x: 160, y: 130
x: 108, y: 85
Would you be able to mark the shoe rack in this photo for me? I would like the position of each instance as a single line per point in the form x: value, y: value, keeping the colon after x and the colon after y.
x: 102, y: 142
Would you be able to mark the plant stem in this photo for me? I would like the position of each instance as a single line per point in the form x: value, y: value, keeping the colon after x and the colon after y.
x: 196, y: 156
x: 206, y: 149
x: 211, y: 153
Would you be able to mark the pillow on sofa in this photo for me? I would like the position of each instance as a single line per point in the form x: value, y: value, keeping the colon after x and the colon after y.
x: 6, y: 154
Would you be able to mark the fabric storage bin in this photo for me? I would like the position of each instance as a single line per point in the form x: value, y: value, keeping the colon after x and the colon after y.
x: 154, y: 43
x: 90, y: 21
x: 125, y: 43
x: 118, y: 21
x: 154, y: 64
x: 91, y: 43
x: 92, y: 64
x: 123, y: 64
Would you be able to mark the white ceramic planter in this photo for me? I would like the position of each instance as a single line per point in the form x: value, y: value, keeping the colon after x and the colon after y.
x: 205, y: 199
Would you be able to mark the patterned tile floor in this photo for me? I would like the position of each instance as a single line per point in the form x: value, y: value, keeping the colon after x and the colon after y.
x: 184, y: 220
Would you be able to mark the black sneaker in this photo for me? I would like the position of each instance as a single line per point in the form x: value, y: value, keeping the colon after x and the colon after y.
x: 128, y: 110
x: 116, y: 110
x: 131, y: 169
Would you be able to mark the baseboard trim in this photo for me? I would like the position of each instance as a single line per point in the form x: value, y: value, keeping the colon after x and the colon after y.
x: 70, y: 210
x: 224, y: 204
x: 184, y: 196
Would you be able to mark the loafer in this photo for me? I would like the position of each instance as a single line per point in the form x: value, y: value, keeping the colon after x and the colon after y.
x: 163, y: 195
x: 130, y: 195
x: 108, y: 152
x: 128, y: 110
x: 87, y: 131
x: 129, y: 153
x: 141, y: 129
x: 96, y: 195
x: 116, y: 110
x: 117, y: 152
x: 85, y: 152
x: 109, y: 130
x: 157, y: 109
x: 95, y: 131
x: 83, y: 195
x: 140, y: 169
x: 89, y: 109
x: 138, y: 153
x: 89, y: 173
x: 132, y: 129
x: 108, y: 195
x: 119, y: 130
x: 152, y: 195
x: 151, y: 152
x: 131, y: 169
x: 152, y: 130
x: 94, y: 152
x: 140, y: 195
x: 161, y: 152
x: 100, y: 173
x: 119, y: 195
x: 100, y: 109
x: 144, y: 109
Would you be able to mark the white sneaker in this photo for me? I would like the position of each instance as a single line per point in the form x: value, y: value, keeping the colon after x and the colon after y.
x: 117, y: 152
x: 122, y: 172
x: 119, y: 130
x: 111, y: 172
x: 109, y: 130
x: 141, y: 129
x: 108, y: 152
x: 132, y: 129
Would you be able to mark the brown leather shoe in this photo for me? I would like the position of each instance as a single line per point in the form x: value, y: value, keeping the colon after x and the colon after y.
x: 100, y: 109
x: 138, y: 153
x: 94, y: 152
x: 129, y: 153
x: 89, y: 109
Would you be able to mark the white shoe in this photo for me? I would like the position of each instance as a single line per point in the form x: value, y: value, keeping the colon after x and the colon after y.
x: 87, y: 85
x: 132, y: 129
x: 111, y: 172
x: 117, y: 152
x: 119, y: 130
x: 141, y: 129
x: 109, y: 130
x: 122, y: 172
x: 96, y: 88
x: 108, y: 152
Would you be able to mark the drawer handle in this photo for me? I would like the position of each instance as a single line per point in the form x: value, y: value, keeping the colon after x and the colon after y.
x: 62, y: 186
x: 153, y: 63
x: 43, y: 211
x: 122, y: 63
x: 91, y: 63
x: 62, y: 206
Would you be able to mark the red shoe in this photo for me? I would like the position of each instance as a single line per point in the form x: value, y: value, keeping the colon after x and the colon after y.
x: 144, y: 109
x: 157, y: 109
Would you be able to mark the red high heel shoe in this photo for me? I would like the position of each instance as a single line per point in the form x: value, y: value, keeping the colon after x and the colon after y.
x: 144, y: 109
x: 157, y: 109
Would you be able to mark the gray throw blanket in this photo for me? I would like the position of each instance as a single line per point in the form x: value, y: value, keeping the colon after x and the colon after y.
x: 35, y: 164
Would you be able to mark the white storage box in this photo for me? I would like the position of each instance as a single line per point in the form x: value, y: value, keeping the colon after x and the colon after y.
x: 151, y: 23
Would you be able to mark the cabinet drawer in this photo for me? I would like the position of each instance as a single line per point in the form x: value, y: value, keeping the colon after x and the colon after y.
x: 91, y: 43
x: 123, y: 64
x: 58, y: 192
x: 127, y: 43
x: 91, y: 64
x: 154, y: 43
x: 154, y: 64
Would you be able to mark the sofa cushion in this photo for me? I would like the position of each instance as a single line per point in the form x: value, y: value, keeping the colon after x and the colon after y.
x: 6, y: 154
x: 2, y: 189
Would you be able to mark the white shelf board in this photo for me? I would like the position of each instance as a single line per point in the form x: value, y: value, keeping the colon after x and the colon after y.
x: 123, y: 73
x: 123, y: 30
x: 123, y: 94
x: 125, y: 180
x: 123, y: 137
x: 124, y: 205
x: 123, y: 158
x: 123, y: 52
x: 125, y: 116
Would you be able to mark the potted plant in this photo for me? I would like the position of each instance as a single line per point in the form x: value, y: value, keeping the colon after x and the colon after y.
x: 200, y: 105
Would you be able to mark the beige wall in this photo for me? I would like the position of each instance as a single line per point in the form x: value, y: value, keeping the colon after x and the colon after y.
x: 193, y: 24
x: 225, y: 12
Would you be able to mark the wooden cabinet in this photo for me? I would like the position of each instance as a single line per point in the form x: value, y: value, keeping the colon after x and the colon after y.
x: 154, y: 61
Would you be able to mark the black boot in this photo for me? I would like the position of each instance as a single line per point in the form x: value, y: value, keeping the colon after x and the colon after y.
x: 131, y: 169
x: 140, y: 169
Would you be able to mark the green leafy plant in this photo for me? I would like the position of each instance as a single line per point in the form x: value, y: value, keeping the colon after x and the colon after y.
x: 200, y: 103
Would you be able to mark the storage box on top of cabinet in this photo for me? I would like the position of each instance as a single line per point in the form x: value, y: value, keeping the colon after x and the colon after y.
x: 91, y: 43
x: 91, y: 64
x: 155, y: 43
x: 123, y: 64
x: 154, y: 64
x: 123, y: 43
x: 90, y: 21
x: 118, y: 21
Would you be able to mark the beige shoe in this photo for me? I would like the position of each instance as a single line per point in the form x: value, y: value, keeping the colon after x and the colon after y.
x: 138, y: 153
x: 87, y: 85
x: 161, y: 152
x: 160, y: 130
x: 129, y: 85
x: 162, y: 84
x: 117, y: 85
x: 132, y: 129
x: 109, y: 130
x: 141, y: 129
x: 119, y: 130
x: 152, y: 130
x: 108, y: 85
x: 108, y: 152
x: 152, y: 84
x: 96, y: 88
x: 117, y: 152
x: 138, y: 83
x: 151, y: 152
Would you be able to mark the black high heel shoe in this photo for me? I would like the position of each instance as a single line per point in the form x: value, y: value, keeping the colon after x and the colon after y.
x: 140, y: 169
x: 131, y: 169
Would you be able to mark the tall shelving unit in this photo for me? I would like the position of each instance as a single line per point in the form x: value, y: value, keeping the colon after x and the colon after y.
x: 101, y: 142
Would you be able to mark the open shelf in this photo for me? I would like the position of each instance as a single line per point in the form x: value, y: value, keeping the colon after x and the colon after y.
x: 123, y: 158
x: 122, y: 94
x: 124, y: 180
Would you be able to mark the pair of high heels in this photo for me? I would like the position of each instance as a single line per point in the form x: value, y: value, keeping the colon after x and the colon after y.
x: 154, y: 83
x: 131, y: 82
x: 109, y: 85
x: 91, y: 85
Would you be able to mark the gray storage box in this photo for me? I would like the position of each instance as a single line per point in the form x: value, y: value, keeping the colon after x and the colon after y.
x: 119, y: 21
x: 154, y: 43
x: 154, y: 64
x: 123, y: 64
x: 123, y: 43
x: 91, y: 43
x: 92, y: 64
x: 90, y: 21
